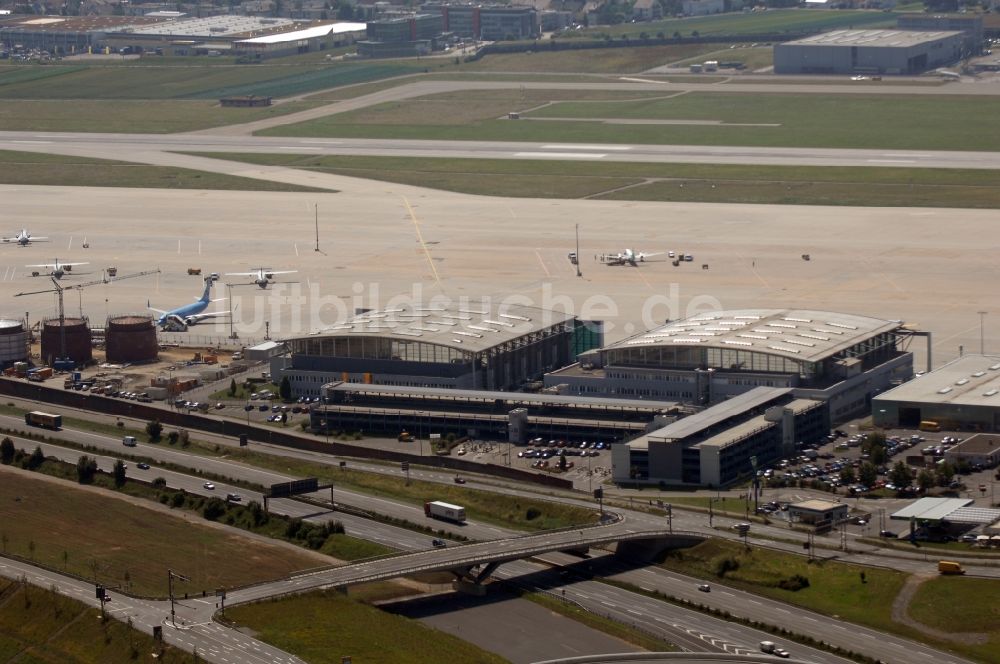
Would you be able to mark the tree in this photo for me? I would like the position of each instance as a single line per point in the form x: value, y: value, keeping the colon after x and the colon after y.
x: 86, y: 468
x: 900, y: 475
x: 847, y: 475
x: 945, y: 474
x: 925, y: 480
x: 562, y: 460
x: 232, y: 387
x: 7, y: 451
x: 154, y: 430
x: 868, y: 474
x: 118, y: 472
x: 36, y: 459
x: 285, y: 389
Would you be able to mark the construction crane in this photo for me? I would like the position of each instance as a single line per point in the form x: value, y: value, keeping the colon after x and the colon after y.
x: 63, y: 362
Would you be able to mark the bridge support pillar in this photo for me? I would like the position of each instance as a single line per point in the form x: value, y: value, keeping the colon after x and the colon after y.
x: 486, y: 572
x: 469, y: 588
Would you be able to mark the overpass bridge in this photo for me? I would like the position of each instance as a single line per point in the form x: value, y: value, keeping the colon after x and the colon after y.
x: 471, y: 563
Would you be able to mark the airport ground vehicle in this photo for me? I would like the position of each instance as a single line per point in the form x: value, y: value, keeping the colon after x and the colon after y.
x: 929, y: 425
x: 446, y: 511
x: 950, y: 567
x: 37, y: 418
x: 128, y: 441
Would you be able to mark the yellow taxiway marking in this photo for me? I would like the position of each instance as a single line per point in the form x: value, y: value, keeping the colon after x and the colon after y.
x: 420, y: 239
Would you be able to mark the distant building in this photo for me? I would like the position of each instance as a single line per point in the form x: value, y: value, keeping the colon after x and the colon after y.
x: 982, y: 449
x: 970, y: 25
x: 646, y: 10
x: 703, y: 7
x: 487, y: 22
x: 395, y: 36
x: 817, y: 512
x: 869, y: 52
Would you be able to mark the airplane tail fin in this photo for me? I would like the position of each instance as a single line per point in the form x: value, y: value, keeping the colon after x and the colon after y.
x: 207, y: 295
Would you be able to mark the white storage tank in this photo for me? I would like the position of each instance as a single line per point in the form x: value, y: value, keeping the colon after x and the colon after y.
x: 13, y: 342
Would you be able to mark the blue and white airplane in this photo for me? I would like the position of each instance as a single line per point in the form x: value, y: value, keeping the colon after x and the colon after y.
x: 179, y: 319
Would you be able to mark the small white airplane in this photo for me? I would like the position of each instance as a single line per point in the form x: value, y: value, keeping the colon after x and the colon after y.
x: 24, y: 238
x: 626, y: 257
x: 56, y: 269
x: 262, y: 276
x: 179, y: 319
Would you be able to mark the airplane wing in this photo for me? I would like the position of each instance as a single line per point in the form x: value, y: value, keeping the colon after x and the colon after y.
x: 35, y: 239
x: 658, y: 253
x: 159, y: 311
x: 281, y: 272
x: 42, y: 265
x: 209, y: 314
x: 70, y: 264
x: 241, y: 274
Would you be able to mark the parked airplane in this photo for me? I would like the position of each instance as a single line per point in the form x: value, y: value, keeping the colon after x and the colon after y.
x: 24, y: 238
x: 262, y: 275
x: 57, y: 269
x: 627, y: 257
x: 179, y: 319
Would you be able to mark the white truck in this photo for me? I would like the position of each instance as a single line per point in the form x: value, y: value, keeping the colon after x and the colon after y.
x: 767, y: 647
x: 446, y: 511
x: 128, y: 441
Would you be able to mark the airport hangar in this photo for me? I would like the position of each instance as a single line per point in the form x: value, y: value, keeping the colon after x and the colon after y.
x: 961, y: 395
x: 479, y: 345
x: 841, y: 359
x: 906, y: 52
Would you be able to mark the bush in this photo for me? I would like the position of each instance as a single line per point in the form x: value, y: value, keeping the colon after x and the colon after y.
x: 159, y: 482
x: 172, y: 437
x: 213, y: 509
x: 86, y: 468
x: 794, y: 583
x: 177, y: 500
x: 725, y: 565
x: 154, y: 430
x: 532, y: 513
x: 35, y: 460
x: 7, y: 451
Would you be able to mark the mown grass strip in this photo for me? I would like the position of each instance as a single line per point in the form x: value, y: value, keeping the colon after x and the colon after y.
x: 323, y: 627
x: 29, y: 168
x: 723, y: 183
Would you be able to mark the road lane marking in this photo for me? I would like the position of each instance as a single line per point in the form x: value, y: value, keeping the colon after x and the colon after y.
x: 570, y: 146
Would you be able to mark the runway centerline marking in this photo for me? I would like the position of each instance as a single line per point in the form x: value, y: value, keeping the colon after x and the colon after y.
x: 420, y: 239
x: 570, y: 146
x: 557, y: 155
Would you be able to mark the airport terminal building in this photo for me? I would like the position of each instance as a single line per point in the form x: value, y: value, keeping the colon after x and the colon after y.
x: 842, y: 359
x: 907, y: 52
x: 475, y: 346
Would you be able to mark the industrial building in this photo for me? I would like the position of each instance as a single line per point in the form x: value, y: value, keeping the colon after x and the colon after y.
x: 487, y: 22
x: 981, y: 449
x: 970, y: 25
x: 817, y: 513
x: 961, y: 395
x: 13, y: 342
x: 477, y: 345
x: 842, y: 359
x: 402, y: 36
x: 907, y: 52
x: 513, y: 416
x: 719, y: 446
x: 307, y: 40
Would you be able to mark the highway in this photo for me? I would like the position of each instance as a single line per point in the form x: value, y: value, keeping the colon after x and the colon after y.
x: 612, y: 601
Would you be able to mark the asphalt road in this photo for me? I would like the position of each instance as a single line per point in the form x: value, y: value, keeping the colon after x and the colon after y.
x: 623, y: 605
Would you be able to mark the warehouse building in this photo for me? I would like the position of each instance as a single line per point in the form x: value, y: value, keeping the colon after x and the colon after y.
x: 907, y: 52
x: 306, y: 40
x: 720, y: 445
x: 478, y: 345
x: 970, y: 25
x: 961, y: 395
x: 842, y: 359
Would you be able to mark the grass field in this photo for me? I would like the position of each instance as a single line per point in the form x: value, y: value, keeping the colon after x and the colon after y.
x: 38, y: 626
x: 970, y: 609
x: 90, y: 535
x: 194, y: 81
x: 898, y: 187
x: 56, y: 170
x: 838, y: 589
x: 603, y: 61
x: 699, y: 118
x: 323, y: 627
x: 771, y: 21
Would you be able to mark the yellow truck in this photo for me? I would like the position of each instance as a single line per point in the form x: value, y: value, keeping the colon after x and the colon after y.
x: 949, y: 567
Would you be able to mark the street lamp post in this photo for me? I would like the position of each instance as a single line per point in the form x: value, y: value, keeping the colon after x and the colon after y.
x: 982, y: 326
